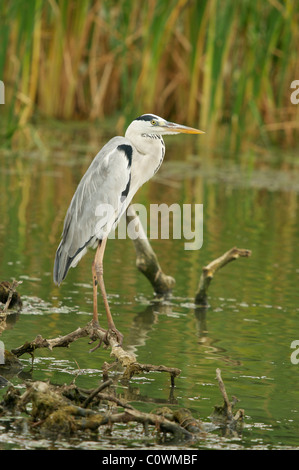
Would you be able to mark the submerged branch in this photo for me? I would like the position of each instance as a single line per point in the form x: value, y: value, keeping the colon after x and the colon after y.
x: 209, y: 271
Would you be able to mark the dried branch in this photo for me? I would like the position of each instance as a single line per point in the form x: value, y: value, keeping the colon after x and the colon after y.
x: 90, y: 330
x: 209, y: 271
x: 126, y: 359
x: 95, y: 392
x: 106, y: 397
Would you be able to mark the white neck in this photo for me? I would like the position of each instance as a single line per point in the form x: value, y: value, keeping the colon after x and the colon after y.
x: 146, y: 144
x: 149, y: 154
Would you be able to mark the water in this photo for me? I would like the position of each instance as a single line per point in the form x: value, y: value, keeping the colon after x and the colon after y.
x: 253, y: 313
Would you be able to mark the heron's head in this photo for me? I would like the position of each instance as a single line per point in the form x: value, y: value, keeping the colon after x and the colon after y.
x: 149, y: 124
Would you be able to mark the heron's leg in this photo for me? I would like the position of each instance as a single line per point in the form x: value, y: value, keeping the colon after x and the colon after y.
x: 95, y: 318
x: 98, y: 266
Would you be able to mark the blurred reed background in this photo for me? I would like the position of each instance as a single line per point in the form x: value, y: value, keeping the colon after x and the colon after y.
x: 207, y: 63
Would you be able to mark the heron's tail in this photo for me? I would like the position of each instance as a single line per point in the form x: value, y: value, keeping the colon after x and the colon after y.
x: 63, y: 262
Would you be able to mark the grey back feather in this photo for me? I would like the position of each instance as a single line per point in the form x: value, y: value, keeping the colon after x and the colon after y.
x: 105, y: 183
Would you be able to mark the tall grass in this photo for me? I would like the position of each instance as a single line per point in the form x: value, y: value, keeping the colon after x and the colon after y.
x: 201, y: 62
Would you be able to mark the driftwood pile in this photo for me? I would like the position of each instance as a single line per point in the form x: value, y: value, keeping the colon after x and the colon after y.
x: 63, y: 411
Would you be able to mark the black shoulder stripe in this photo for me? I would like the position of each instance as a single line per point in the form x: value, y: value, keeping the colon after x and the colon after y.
x: 127, y: 149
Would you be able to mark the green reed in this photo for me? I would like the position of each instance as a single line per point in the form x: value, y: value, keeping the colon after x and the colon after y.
x: 203, y: 62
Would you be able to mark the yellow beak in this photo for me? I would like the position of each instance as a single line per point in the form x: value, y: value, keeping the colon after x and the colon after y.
x: 179, y: 128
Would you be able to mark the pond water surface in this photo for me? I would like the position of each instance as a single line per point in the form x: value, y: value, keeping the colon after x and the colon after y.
x: 253, y: 316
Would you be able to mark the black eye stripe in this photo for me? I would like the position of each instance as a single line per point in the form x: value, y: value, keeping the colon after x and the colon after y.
x: 146, y: 117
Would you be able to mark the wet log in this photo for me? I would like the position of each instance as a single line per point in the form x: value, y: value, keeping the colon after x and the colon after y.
x: 147, y: 260
x: 185, y: 419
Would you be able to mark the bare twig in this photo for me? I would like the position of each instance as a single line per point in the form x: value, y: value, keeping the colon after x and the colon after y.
x: 96, y: 391
x: 106, y: 397
x: 209, y: 271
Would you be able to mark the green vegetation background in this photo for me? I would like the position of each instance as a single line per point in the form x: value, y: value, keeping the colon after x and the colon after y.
x: 207, y: 63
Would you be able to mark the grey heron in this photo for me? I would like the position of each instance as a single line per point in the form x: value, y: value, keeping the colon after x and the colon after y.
x: 120, y: 168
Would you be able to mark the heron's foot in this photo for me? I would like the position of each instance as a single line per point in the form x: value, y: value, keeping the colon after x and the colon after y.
x: 115, y: 332
x: 97, y: 346
x: 96, y: 326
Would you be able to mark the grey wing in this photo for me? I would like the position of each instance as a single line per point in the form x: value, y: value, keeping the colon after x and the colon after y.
x: 98, y: 203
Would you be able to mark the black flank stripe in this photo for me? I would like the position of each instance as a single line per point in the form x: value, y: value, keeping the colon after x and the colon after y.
x: 127, y: 188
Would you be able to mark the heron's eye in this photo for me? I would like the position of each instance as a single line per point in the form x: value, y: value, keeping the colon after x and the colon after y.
x: 154, y: 122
